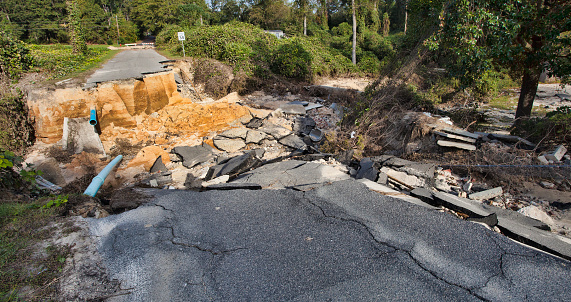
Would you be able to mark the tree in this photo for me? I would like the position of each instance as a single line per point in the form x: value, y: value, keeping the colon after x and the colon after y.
x: 354, y: 47
x: 303, y: 8
x: 527, y: 36
x: 76, y: 30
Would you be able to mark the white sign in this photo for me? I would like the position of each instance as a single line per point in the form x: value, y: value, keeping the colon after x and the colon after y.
x: 181, y: 36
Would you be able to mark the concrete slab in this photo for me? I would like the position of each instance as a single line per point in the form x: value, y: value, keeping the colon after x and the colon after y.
x: 487, y: 194
x: 79, y: 135
x: 451, y: 144
x: 192, y: 156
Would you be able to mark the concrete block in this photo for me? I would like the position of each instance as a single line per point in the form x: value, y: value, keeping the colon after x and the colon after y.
x: 461, y: 132
x: 444, y: 143
x: 488, y: 194
x: 456, y: 137
x: 556, y: 155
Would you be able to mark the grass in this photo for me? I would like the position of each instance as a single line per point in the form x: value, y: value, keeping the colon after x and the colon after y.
x: 504, y: 102
x: 58, y: 61
x: 24, y: 266
x: 169, y: 54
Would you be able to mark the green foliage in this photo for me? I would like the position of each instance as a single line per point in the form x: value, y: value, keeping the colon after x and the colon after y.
x: 369, y: 63
x: 553, y: 129
x: 16, y: 128
x: 292, y: 60
x: 56, y: 201
x: 15, y: 57
x: 77, y: 35
x: 58, y: 61
x: 12, y: 174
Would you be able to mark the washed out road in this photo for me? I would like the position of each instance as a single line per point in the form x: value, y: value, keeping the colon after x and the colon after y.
x: 128, y: 64
x: 337, y: 242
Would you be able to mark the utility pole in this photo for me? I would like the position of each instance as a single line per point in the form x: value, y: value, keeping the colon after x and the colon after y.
x: 117, y: 23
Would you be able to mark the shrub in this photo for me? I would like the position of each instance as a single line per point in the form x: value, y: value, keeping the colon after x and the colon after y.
x: 292, y: 60
x: 369, y: 63
x: 15, y: 57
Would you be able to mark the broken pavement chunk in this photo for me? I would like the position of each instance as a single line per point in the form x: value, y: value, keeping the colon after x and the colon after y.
x: 234, y: 186
x: 293, y: 109
x: 192, y: 156
x: 235, y: 133
x: 488, y: 194
x: 293, y: 141
x: 512, y: 139
x: 276, y: 131
x: 255, y: 137
x: 229, y: 144
x: 461, y: 132
x: 367, y: 170
x: 444, y: 143
x: 80, y: 135
x: 234, y: 166
x: 158, y: 166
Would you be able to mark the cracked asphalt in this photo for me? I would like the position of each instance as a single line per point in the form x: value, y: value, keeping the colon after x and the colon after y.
x: 338, y: 242
x: 128, y: 64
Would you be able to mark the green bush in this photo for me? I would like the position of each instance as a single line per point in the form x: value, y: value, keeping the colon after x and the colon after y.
x: 15, y: 57
x: 369, y: 63
x: 168, y: 36
x: 292, y: 60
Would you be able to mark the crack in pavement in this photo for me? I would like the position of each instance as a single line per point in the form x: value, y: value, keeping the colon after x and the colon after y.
x: 396, y: 248
x: 198, y: 247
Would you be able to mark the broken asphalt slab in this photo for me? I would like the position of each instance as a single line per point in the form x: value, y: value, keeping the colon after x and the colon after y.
x: 337, y: 242
x: 522, y: 228
x: 295, y: 174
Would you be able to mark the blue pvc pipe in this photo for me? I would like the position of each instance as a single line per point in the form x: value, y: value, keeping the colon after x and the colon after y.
x: 100, y: 178
x: 93, y: 118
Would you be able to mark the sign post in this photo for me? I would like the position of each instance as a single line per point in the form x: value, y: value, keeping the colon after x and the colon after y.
x: 181, y: 38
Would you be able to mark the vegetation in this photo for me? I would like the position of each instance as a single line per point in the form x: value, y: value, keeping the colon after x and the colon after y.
x: 59, y: 61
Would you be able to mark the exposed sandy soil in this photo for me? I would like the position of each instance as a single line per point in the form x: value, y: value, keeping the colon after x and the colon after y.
x: 348, y: 83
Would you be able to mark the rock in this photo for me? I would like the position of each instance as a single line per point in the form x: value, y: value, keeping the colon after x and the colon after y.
x: 235, y: 133
x: 488, y: 194
x: 367, y: 170
x: 292, y: 109
x: 192, y: 156
x: 302, y: 103
x: 158, y: 166
x: 229, y: 145
x: 444, y: 143
x: 234, y: 166
x: 276, y: 131
x: 556, y: 155
x: 255, y: 137
x: 536, y: 213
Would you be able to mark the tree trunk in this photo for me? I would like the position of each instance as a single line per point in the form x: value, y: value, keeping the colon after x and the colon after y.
x: 528, y: 90
x: 405, y: 16
x: 304, y: 25
x: 354, y: 50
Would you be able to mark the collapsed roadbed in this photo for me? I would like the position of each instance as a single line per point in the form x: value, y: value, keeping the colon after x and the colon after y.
x: 173, y: 136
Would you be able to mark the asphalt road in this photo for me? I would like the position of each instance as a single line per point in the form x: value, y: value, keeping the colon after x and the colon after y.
x: 128, y: 64
x: 339, y: 242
